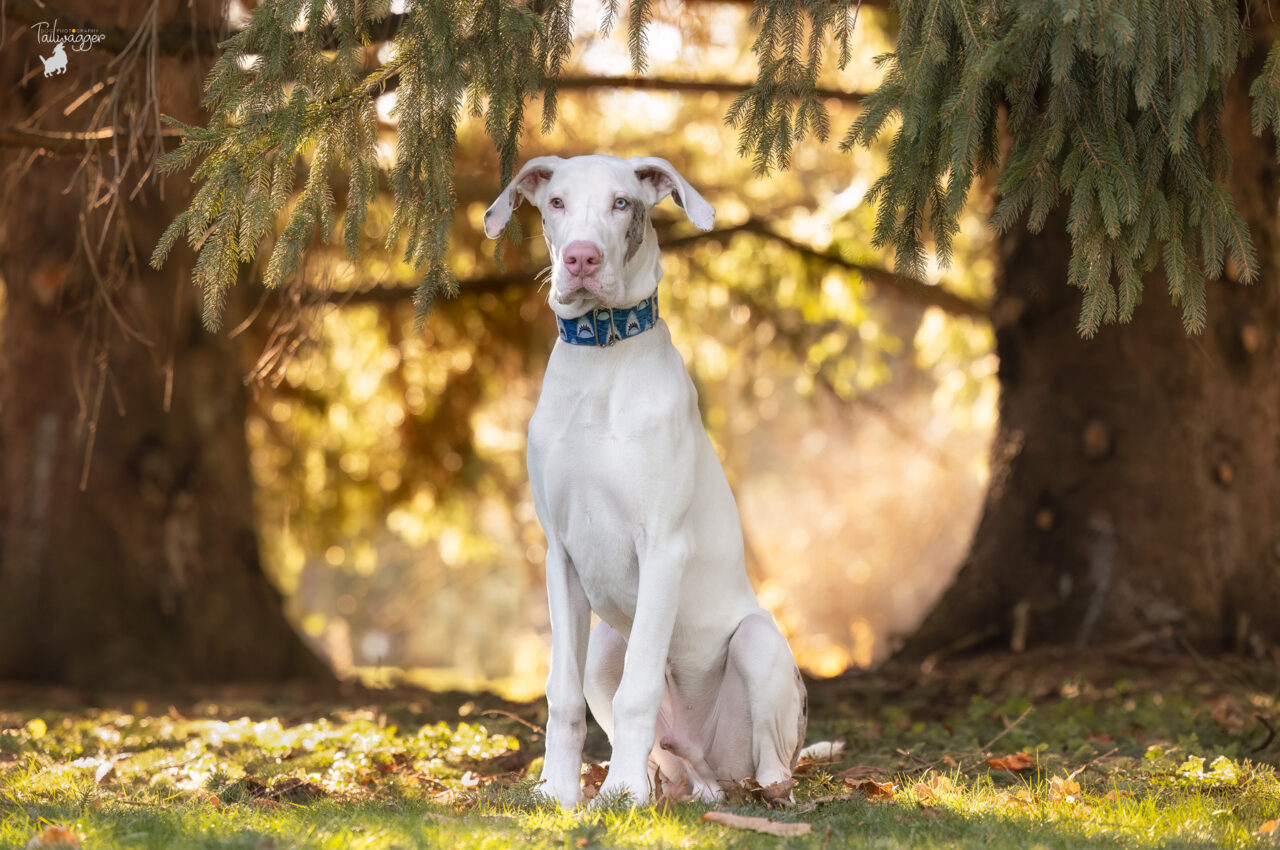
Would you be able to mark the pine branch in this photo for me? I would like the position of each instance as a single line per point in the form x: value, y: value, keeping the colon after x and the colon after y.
x: 892, y: 285
x: 675, y: 84
x: 680, y: 85
x: 72, y: 142
x: 1114, y: 109
x: 900, y: 286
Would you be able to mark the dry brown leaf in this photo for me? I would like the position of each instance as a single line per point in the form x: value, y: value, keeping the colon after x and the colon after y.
x: 1269, y: 827
x: 930, y: 790
x: 593, y: 776
x: 1064, y: 790
x: 1017, y: 761
x: 1022, y: 798
x: 859, y: 772
x: 750, y: 791
x: 778, y: 793
x: 764, y: 825
x: 54, y: 836
x: 873, y: 790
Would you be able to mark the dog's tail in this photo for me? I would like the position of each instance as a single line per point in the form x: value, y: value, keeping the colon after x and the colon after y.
x: 823, y: 751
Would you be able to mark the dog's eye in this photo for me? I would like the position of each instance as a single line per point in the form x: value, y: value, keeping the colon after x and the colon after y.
x: 621, y: 204
x: 557, y: 203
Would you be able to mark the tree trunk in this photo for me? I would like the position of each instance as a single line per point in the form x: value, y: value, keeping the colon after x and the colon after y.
x: 128, y: 554
x: 1135, y: 477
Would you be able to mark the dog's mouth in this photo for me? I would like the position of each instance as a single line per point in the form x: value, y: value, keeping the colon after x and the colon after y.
x: 573, y: 297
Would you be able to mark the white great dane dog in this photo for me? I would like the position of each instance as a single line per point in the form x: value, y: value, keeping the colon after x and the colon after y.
x: 686, y: 673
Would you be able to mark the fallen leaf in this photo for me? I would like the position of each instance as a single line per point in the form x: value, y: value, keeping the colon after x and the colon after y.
x: 873, y: 790
x: 1017, y: 761
x: 1022, y: 798
x: 860, y: 771
x: 1269, y: 827
x: 764, y: 825
x: 930, y: 790
x: 54, y: 836
x: 1064, y: 790
x: 750, y: 791
x: 593, y: 776
x: 779, y: 792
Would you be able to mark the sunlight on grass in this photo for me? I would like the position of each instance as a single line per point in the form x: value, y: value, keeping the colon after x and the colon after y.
x: 1131, y: 763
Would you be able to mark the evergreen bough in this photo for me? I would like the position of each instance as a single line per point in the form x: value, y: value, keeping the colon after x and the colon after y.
x: 1113, y: 107
x: 291, y: 84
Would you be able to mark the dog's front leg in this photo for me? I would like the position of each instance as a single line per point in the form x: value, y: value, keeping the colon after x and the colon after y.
x: 566, y: 706
x: 639, y: 696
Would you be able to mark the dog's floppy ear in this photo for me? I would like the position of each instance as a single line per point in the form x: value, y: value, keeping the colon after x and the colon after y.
x: 663, y: 178
x: 535, y: 173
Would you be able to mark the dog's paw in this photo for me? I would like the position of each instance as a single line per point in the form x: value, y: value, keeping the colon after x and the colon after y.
x: 567, y: 797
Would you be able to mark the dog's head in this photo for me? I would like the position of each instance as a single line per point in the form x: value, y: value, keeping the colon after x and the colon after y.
x: 595, y: 218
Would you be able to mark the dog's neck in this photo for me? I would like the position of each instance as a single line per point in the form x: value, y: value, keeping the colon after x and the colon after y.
x: 605, y: 326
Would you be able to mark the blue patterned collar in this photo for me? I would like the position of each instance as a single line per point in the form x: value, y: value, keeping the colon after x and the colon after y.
x: 604, y: 326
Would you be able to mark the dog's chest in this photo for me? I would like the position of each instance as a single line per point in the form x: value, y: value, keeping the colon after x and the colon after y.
x: 610, y: 453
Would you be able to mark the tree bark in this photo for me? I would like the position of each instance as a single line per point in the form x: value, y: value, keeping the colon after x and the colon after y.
x: 1135, y: 477
x: 128, y: 554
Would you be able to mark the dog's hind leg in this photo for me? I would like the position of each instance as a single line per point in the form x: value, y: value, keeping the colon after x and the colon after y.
x: 776, y: 698
x: 606, y: 652
x: 674, y: 756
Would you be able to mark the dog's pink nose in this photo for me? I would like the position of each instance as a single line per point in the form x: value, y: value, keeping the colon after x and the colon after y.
x: 581, y: 258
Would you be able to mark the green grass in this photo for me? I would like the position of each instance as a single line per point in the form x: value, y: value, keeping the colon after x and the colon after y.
x: 1120, y: 757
